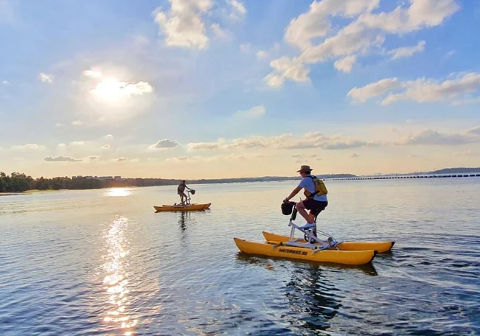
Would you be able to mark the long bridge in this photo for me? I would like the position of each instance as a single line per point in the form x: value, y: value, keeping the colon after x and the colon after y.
x: 400, y: 176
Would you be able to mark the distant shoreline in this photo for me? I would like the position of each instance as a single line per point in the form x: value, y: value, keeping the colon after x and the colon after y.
x: 337, y: 177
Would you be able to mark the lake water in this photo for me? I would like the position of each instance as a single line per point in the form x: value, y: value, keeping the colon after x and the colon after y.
x: 101, y: 262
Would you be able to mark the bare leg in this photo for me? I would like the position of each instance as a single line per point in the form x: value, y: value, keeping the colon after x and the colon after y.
x: 302, y: 211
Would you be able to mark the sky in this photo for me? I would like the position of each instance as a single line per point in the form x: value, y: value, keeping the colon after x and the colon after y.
x: 238, y: 88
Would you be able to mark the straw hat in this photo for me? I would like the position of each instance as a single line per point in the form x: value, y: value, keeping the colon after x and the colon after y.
x: 304, y: 169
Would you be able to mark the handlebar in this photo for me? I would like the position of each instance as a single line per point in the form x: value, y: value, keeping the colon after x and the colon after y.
x: 288, y: 208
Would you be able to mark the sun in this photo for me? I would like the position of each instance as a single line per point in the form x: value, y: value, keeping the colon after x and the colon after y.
x: 115, y: 92
x: 109, y: 90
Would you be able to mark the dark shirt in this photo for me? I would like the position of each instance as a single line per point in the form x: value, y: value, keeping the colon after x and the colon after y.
x: 181, y: 187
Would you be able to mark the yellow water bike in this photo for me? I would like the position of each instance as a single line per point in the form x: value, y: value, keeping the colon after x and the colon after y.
x: 186, y: 206
x: 312, y: 248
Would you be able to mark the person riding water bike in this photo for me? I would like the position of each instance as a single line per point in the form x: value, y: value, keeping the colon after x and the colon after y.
x: 316, y: 194
x: 181, y: 192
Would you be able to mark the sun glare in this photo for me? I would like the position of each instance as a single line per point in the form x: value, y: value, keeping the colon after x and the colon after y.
x: 109, y: 90
x: 118, y: 192
x: 114, y: 92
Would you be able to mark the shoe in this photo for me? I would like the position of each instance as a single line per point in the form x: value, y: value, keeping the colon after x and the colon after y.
x: 308, y: 226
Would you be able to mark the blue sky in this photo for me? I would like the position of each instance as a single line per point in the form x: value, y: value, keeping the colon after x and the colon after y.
x: 238, y: 88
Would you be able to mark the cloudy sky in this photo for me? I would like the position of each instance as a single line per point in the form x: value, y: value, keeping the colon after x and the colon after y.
x: 231, y: 88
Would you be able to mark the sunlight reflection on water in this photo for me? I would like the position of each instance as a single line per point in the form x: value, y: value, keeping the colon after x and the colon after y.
x: 116, y: 278
x: 118, y: 192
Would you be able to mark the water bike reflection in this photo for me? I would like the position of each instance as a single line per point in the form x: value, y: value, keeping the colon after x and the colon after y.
x: 313, y: 299
x: 183, y: 219
x: 269, y: 263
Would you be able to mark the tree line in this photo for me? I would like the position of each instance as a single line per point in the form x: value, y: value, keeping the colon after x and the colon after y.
x: 18, y: 182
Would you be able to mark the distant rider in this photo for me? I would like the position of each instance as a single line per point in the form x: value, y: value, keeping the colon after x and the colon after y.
x: 181, y: 192
x: 316, y: 194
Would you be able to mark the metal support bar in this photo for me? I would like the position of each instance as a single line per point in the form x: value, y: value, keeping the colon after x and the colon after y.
x: 329, y: 243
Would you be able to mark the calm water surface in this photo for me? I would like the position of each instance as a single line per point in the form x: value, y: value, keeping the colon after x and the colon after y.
x: 101, y: 262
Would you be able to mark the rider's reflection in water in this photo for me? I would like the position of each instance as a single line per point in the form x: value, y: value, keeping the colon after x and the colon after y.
x: 184, y: 221
x: 184, y: 217
x: 313, y: 299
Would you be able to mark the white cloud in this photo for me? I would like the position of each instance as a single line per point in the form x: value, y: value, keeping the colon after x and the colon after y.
x: 286, y: 68
x: 183, y: 24
x: 77, y: 123
x: 28, y: 147
x: 431, y: 137
x: 163, y: 144
x: 316, y: 22
x: 204, y: 146
x: 121, y: 159
x: 93, y: 73
x: 345, y: 64
x: 421, y: 90
x: 252, y: 113
x: 317, y: 141
x: 179, y: 159
x: 106, y: 147
x: 420, y: 14
x: 238, y: 9
x: 407, y: 51
x: 45, y: 78
x: 207, y: 159
x: 425, y: 90
x: 59, y: 124
x: 362, y: 94
x: 313, y: 33
x: 61, y: 159
x: 5, y: 82
x: 284, y: 141
x: 219, y: 32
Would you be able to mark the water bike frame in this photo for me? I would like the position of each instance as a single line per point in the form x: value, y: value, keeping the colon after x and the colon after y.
x: 187, y: 201
x: 309, y: 232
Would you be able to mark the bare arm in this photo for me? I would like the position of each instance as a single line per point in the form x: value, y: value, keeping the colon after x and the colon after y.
x: 292, y: 194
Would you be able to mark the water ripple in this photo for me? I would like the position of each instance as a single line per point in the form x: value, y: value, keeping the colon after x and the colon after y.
x: 86, y: 263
